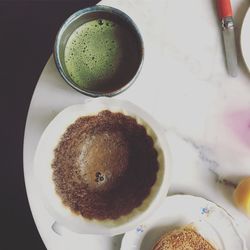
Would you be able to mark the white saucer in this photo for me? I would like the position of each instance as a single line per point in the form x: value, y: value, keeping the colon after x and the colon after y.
x: 245, y: 39
x: 211, y: 221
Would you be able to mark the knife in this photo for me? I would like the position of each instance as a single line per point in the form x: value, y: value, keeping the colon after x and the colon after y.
x: 226, y: 17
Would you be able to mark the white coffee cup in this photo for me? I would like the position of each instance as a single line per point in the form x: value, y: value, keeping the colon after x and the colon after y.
x: 45, y: 154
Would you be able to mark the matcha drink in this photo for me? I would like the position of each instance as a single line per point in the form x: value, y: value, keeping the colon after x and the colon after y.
x: 102, y: 55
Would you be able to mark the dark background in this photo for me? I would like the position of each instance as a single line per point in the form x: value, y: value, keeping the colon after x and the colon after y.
x: 27, y: 33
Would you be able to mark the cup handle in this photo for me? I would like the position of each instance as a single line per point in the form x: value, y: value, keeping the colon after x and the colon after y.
x: 57, y: 228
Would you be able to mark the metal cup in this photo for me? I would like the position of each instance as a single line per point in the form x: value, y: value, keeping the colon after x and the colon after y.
x: 78, y: 19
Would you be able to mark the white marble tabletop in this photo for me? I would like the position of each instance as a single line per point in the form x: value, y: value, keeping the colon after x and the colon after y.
x: 185, y: 86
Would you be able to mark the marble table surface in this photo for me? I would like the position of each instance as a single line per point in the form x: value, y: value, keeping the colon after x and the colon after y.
x: 185, y: 86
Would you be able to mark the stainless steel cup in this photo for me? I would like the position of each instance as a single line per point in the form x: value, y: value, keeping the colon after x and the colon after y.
x: 81, y: 17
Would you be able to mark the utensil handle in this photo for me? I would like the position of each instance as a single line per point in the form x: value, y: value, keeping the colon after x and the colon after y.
x: 224, y: 8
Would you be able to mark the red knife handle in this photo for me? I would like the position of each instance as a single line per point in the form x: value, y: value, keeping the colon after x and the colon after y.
x: 224, y: 8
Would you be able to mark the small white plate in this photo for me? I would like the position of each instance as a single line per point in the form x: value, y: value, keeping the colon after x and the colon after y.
x: 211, y: 221
x: 245, y: 39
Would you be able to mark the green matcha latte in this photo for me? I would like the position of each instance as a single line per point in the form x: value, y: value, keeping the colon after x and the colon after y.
x: 102, y: 55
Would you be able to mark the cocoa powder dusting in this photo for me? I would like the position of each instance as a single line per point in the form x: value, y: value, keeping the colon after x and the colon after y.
x: 104, y: 165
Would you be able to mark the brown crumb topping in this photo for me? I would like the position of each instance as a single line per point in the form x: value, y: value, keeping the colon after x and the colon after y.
x: 104, y: 165
x: 186, y: 238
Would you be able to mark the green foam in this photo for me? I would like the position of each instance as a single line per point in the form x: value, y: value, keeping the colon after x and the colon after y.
x: 95, y: 54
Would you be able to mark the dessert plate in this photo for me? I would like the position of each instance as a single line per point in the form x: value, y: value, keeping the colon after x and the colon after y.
x: 211, y: 221
x: 245, y: 39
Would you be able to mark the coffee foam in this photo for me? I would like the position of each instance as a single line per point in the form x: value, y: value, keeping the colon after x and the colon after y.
x: 94, y: 165
x: 83, y: 61
x: 102, y: 55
